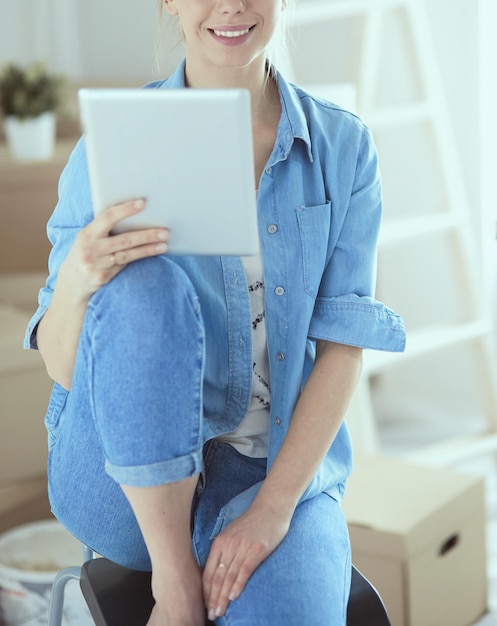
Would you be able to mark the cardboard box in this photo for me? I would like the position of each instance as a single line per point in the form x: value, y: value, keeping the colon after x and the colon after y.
x: 20, y: 289
x: 418, y: 534
x: 28, y: 195
x: 24, y: 395
x: 24, y: 502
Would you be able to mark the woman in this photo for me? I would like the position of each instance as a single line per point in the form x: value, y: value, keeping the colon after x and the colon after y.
x: 195, y: 425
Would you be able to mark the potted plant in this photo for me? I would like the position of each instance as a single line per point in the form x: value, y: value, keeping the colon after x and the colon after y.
x: 29, y: 100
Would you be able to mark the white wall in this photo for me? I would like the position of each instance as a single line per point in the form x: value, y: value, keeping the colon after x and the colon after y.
x: 111, y: 40
x: 455, y: 33
x: 488, y: 142
x: 18, y: 30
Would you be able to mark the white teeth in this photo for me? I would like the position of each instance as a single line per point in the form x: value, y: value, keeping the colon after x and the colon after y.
x: 231, y: 33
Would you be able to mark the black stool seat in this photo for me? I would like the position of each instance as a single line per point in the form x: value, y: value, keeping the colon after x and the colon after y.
x: 116, y: 595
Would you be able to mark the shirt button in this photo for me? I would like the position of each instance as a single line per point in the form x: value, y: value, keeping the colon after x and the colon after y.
x: 269, y: 170
x: 279, y: 291
x: 280, y: 356
x: 272, y: 228
x: 277, y: 421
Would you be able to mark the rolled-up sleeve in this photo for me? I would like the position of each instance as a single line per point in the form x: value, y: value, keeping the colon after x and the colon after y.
x: 73, y: 212
x: 345, y: 309
x: 358, y: 321
x: 30, y: 336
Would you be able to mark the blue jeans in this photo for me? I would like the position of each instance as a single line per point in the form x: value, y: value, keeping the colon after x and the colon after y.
x: 306, y: 580
x: 134, y: 416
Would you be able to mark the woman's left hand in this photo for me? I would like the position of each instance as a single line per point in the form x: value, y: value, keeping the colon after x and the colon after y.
x: 236, y: 553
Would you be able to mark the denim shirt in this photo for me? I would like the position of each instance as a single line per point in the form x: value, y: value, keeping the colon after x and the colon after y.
x: 319, y: 211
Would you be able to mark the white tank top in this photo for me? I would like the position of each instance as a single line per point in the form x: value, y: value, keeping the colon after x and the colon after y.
x: 251, y: 436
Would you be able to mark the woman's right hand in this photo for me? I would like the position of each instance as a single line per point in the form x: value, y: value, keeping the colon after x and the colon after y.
x: 94, y: 259
x: 97, y: 256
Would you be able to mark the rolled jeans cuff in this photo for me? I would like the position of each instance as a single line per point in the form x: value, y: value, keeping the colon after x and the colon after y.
x: 169, y: 471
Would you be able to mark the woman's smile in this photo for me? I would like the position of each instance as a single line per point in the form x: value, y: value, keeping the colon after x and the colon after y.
x: 231, y: 35
x: 227, y: 35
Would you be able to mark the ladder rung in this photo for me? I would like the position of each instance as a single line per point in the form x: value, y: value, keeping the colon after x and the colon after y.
x: 386, y: 117
x: 397, y: 230
x: 314, y: 11
x: 424, y: 341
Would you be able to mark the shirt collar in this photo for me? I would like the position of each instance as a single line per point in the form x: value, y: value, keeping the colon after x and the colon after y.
x: 176, y: 80
x: 293, y: 122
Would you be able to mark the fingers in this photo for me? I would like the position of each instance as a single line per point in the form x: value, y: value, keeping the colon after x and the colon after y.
x: 123, y: 249
x: 215, y: 574
x: 218, y: 594
x: 225, y: 577
x: 105, y: 222
x: 131, y: 245
x: 98, y: 255
x: 105, y: 251
x: 237, y: 552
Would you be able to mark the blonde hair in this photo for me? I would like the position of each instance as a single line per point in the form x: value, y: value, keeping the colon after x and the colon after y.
x: 170, y: 34
x: 280, y: 46
x: 169, y: 38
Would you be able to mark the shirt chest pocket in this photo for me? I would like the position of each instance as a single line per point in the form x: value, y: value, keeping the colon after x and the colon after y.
x: 314, y: 230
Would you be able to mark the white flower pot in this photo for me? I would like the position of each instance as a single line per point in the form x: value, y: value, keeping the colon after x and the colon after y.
x: 32, y: 138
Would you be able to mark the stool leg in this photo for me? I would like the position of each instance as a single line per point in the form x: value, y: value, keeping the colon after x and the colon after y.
x: 57, y: 595
x: 88, y: 554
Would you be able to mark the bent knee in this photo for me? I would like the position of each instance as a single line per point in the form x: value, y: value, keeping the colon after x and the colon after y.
x: 149, y: 287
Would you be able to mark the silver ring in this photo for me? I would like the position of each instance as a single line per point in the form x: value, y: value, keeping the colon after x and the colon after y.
x: 221, y: 566
x: 112, y: 259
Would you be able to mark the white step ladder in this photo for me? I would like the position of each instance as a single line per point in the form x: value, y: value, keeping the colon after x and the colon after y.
x: 450, y: 222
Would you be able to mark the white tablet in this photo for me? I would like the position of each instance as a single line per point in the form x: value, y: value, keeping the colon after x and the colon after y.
x: 188, y: 152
